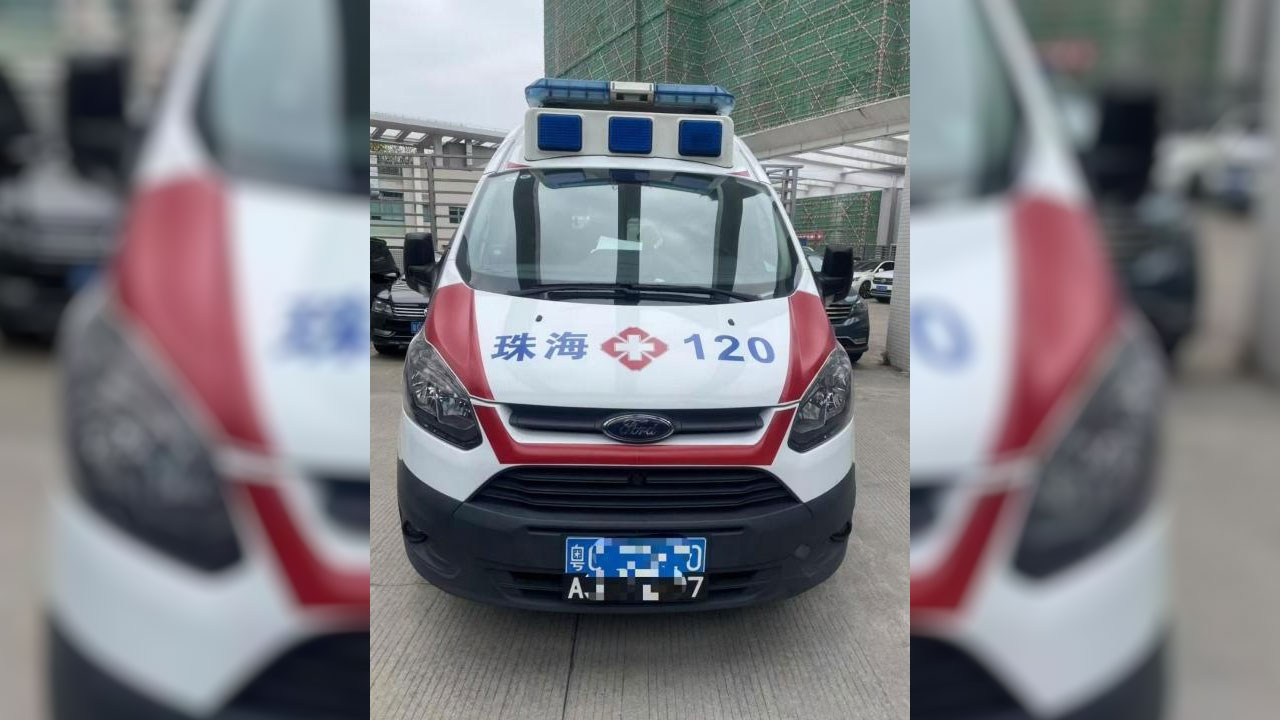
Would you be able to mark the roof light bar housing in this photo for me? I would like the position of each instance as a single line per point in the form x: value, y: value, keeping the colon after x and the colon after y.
x: 650, y: 97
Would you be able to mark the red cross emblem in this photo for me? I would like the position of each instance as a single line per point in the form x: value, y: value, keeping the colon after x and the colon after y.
x: 634, y: 348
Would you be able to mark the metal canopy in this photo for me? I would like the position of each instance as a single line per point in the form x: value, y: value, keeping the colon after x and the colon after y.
x: 853, y: 150
x: 422, y: 133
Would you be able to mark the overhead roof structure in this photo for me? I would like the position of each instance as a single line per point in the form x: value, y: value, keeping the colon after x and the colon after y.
x: 852, y: 150
x: 399, y: 129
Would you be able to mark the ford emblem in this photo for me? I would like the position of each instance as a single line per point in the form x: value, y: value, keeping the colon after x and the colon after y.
x: 638, y: 428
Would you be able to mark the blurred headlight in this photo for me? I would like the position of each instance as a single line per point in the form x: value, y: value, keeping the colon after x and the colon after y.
x: 380, y: 306
x: 825, y: 408
x: 137, y: 458
x: 1100, y: 477
x: 436, y: 400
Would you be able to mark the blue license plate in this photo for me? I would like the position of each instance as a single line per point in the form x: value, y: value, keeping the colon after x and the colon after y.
x: 633, y: 569
x: 882, y: 288
x: 415, y: 326
x: 79, y: 276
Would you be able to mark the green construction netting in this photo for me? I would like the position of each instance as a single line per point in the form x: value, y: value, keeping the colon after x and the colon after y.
x: 1172, y: 43
x: 784, y: 60
x: 848, y: 220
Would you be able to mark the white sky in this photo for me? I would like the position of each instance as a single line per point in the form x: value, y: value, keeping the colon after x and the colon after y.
x: 464, y: 61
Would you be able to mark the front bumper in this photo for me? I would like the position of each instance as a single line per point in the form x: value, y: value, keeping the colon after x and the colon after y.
x: 947, y: 684
x: 853, y: 337
x: 392, y: 331
x: 881, y: 293
x: 324, y: 678
x: 144, y: 633
x: 34, y: 293
x: 515, y: 557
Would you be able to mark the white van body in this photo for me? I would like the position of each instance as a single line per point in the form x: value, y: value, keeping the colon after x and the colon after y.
x: 720, y: 379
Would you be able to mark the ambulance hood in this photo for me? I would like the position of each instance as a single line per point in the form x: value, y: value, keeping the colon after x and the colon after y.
x: 649, y: 356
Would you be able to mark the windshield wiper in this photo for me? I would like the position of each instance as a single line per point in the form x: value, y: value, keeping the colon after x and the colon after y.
x: 693, y: 290
x: 630, y: 291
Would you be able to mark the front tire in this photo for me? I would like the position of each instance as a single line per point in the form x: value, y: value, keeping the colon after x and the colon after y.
x: 387, y: 349
x: 864, y: 291
x: 883, y: 300
x: 855, y: 357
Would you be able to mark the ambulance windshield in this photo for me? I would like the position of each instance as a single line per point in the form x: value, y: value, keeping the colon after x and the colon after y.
x: 673, y: 237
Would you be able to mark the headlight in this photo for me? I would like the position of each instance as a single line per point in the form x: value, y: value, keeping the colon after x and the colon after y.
x: 136, y: 457
x: 435, y: 398
x: 825, y: 408
x: 1100, y: 476
x: 380, y: 306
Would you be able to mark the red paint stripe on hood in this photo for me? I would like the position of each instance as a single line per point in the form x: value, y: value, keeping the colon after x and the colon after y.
x: 451, y: 330
x: 174, y: 276
x: 1067, y: 307
x: 812, y: 341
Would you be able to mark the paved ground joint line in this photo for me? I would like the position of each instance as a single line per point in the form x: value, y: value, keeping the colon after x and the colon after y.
x: 568, y: 676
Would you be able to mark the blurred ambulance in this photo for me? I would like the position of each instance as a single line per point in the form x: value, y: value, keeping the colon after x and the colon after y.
x: 1038, y: 532
x: 210, y: 555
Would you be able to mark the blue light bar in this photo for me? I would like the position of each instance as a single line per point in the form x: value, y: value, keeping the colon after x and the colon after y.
x: 631, y: 135
x: 660, y: 97
x: 701, y: 138
x: 693, y: 98
x: 559, y: 133
x: 563, y: 92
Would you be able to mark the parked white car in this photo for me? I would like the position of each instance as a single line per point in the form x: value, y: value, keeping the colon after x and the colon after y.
x: 881, y: 285
x: 865, y: 270
x: 1223, y: 163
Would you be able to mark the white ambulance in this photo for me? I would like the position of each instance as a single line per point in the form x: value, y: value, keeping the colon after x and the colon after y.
x: 626, y: 395
x: 1038, y: 531
x: 210, y: 553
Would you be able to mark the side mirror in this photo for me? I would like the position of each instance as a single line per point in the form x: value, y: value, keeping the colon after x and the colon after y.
x: 97, y: 132
x: 1119, y: 163
x: 14, y: 132
x: 836, y: 277
x: 383, y: 270
x: 419, y: 261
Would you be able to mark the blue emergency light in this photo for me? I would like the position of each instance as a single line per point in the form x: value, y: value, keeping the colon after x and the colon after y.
x: 631, y: 135
x: 660, y: 97
x: 559, y: 133
x: 701, y: 138
x: 693, y: 98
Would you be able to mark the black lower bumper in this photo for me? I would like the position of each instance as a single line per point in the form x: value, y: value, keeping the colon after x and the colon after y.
x: 325, y: 678
x: 515, y: 558
x: 948, y: 684
x: 33, y: 297
x: 853, y: 338
x: 389, y: 332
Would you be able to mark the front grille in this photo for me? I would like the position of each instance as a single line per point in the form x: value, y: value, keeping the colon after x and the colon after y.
x: 882, y: 281
x: 589, y: 420
x: 947, y: 684
x: 412, y: 312
x: 839, y: 312
x: 327, y: 677
x: 346, y: 501
x: 634, y: 490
